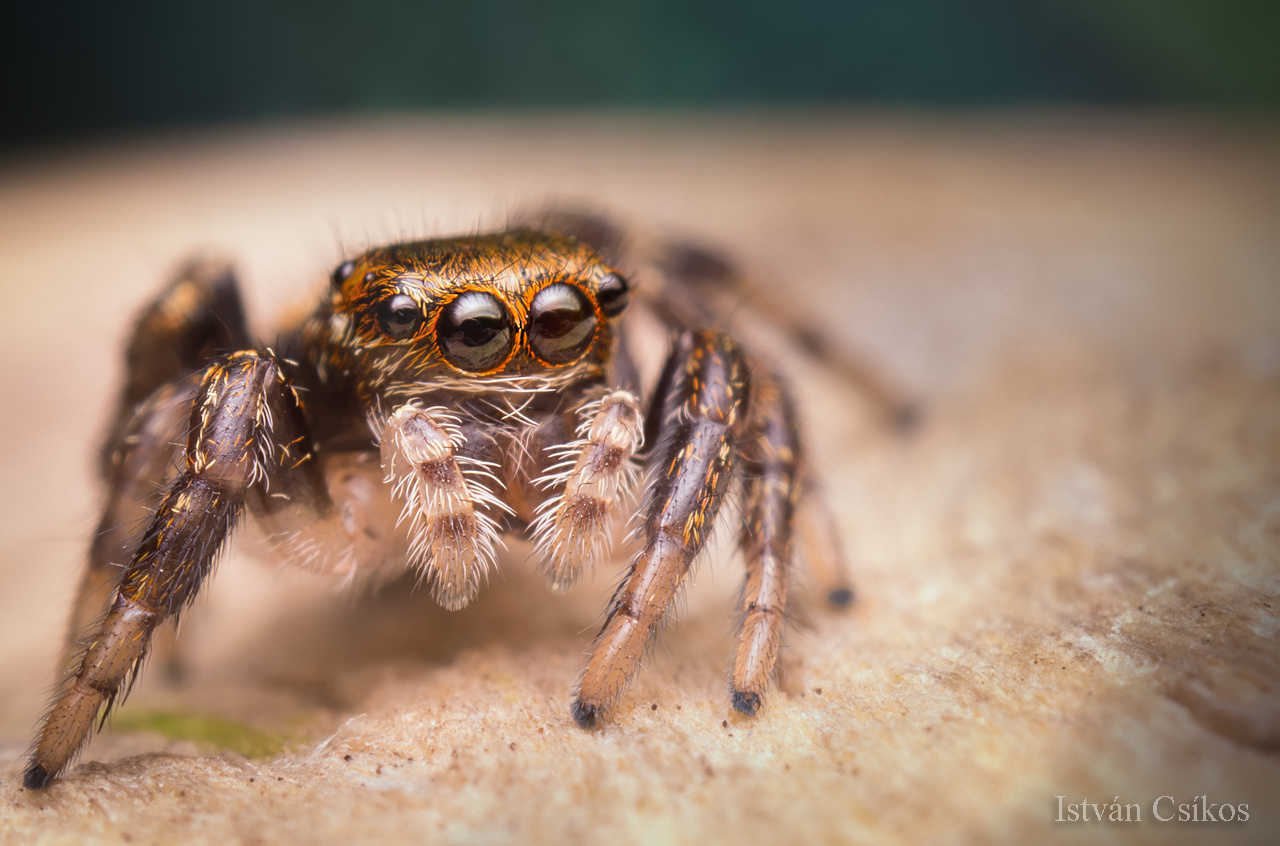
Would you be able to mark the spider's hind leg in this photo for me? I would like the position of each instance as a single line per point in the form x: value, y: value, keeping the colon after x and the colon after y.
x: 142, y: 462
x: 692, y: 285
x: 821, y: 549
x: 694, y: 275
x: 770, y: 492
x: 195, y: 318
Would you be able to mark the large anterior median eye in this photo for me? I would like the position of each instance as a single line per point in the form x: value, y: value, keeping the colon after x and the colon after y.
x: 562, y: 324
x: 398, y: 316
x: 474, y: 332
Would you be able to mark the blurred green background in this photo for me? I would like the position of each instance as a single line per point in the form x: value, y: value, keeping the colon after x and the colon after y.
x: 77, y: 68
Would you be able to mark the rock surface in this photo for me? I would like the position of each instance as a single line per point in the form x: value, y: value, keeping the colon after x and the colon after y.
x: 1068, y: 578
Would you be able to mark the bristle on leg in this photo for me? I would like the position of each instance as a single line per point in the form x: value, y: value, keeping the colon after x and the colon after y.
x: 445, y: 498
x: 574, y: 525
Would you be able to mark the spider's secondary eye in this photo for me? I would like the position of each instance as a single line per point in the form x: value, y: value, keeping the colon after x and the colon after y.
x: 613, y: 295
x: 474, y: 332
x: 342, y: 273
x: 562, y: 324
x: 398, y: 316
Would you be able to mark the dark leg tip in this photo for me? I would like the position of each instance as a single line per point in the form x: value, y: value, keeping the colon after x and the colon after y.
x: 907, y: 418
x: 840, y: 597
x: 36, y: 777
x: 584, y: 715
x: 746, y: 703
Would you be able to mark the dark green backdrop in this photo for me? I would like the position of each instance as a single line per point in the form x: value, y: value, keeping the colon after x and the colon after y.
x: 84, y: 67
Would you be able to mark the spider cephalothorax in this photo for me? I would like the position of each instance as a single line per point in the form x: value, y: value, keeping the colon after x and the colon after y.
x: 519, y: 310
x: 443, y: 393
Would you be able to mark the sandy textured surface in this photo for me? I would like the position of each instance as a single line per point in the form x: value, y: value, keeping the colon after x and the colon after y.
x: 1069, y: 578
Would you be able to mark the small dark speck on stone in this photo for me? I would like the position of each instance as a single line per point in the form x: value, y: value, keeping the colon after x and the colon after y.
x: 724, y: 724
x: 378, y: 771
x: 252, y: 780
x: 653, y: 707
x: 840, y: 597
x: 346, y: 757
x: 512, y: 744
x: 279, y: 778
x: 818, y: 690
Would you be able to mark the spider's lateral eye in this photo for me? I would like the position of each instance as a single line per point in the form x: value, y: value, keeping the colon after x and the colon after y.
x: 342, y: 273
x: 474, y: 332
x: 613, y: 294
x: 398, y: 316
x: 562, y: 324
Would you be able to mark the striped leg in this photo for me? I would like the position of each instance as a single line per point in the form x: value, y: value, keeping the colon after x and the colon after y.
x: 197, y: 315
x: 242, y: 408
x: 139, y: 470
x: 705, y: 412
x: 769, y: 507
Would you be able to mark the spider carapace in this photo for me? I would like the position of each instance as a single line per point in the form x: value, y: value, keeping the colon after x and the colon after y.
x: 444, y: 393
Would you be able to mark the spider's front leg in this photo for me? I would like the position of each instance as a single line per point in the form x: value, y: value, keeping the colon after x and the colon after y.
x: 704, y: 404
x: 246, y: 428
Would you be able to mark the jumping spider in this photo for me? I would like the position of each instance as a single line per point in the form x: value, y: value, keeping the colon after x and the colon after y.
x: 443, y: 393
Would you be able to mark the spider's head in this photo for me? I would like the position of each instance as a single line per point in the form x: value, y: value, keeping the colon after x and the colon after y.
x: 519, y: 308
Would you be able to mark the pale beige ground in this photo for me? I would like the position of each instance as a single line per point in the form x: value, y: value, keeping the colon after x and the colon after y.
x: 1068, y: 578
